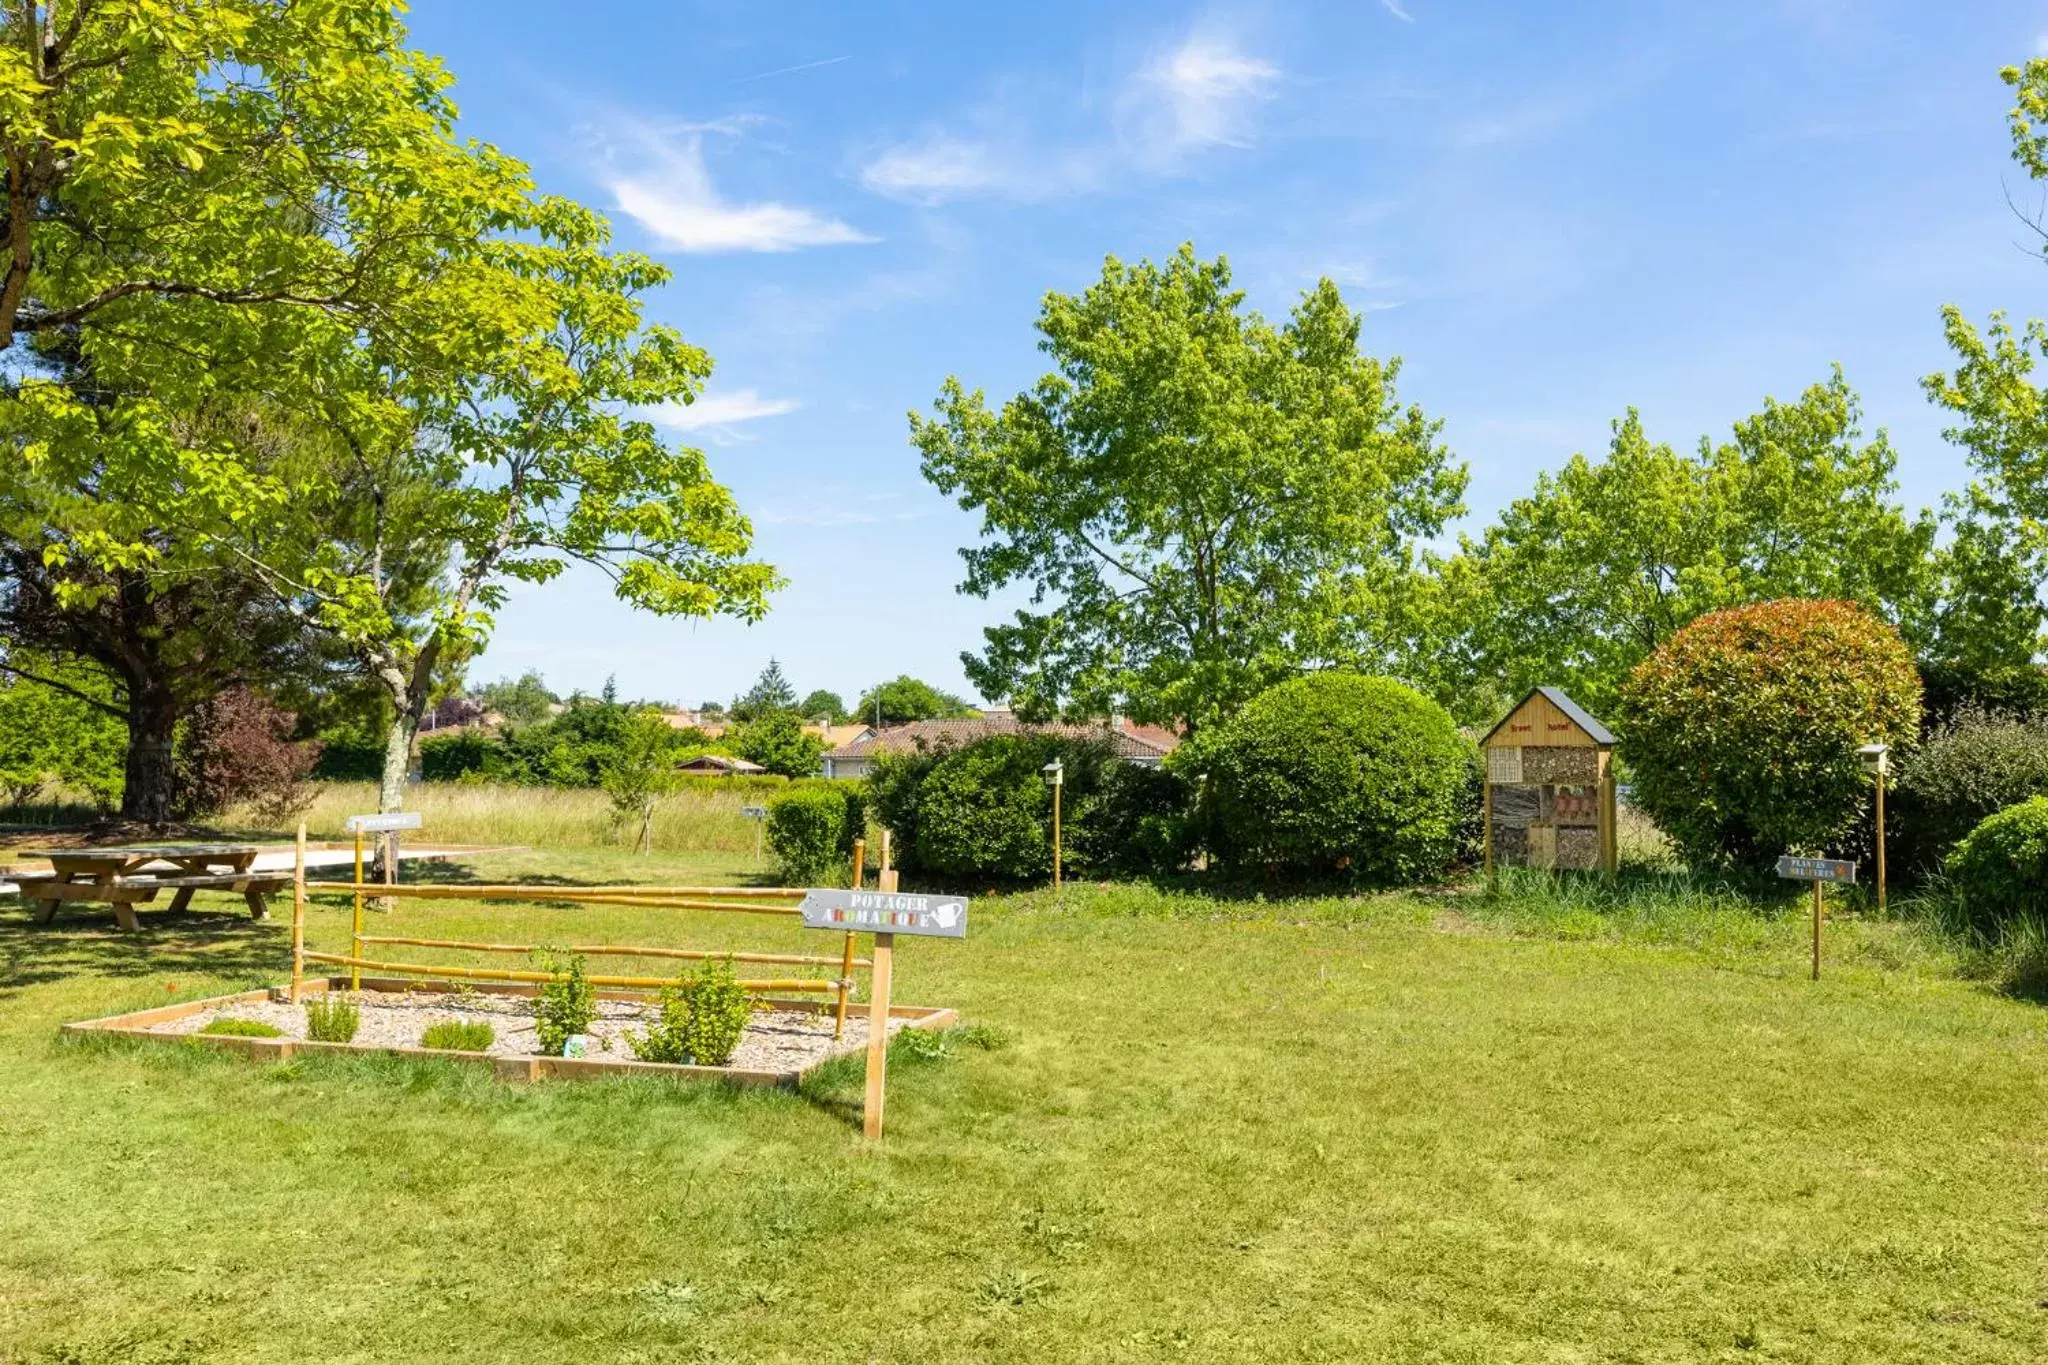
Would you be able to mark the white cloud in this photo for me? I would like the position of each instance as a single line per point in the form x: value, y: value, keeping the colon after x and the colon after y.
x: 1395, y: 8
x: 718, y: 411
x: 658, y: 179
x: 1202, y: 92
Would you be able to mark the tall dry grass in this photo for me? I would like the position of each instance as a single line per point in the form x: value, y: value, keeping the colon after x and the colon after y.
x: 698, y: 819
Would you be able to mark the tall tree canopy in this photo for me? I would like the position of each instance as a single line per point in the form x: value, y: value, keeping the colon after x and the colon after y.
x: 904, y: 699
x: 1580, y: 581
x: 1200, y: 502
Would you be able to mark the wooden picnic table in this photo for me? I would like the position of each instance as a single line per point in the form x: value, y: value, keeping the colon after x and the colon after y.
x: 122, y: 877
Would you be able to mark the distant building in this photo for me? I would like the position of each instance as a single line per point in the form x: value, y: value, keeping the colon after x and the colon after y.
x: 720, y: 765
x: 1145, y: 745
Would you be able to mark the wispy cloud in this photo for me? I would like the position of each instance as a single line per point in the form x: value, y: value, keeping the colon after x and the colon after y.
x: 657, y: 177
x: 1202, y: 91
x: 719, y: 412
x: 790, y: 70
x: 1395, y: 8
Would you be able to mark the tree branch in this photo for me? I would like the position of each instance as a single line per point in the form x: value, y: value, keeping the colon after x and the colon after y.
x: 118, y: 712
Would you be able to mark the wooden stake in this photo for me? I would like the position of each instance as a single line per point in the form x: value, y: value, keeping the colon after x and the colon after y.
x: 1610, y: 816
x: 878, y: 1036
x: 1486, y: 807
x: 1880, y: 843
x: 355, y: 976
x: 885, y: 880
x: 1056, y: 833
x: 860, y: 858
x: 1818, y: 893
x: 299, y: 912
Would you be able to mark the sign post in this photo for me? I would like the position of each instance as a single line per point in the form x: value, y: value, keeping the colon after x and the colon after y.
x: 759, y: 815
x: 885, y: 914
x: 388, y: 826
x: 1819, y: 871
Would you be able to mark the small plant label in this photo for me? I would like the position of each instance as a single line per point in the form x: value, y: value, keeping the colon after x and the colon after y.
x: 576, y: 1045
x: 383, y: 824
x: 1816, y: 869
x: 885, y: 912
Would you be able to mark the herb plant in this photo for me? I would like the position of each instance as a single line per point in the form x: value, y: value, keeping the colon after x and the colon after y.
x: 332, y: 1019
x: 565, y: 1005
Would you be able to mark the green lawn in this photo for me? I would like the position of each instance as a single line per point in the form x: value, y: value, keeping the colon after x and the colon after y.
x: 1320, y: 1131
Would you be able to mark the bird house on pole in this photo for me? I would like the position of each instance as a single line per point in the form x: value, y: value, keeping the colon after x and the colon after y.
x: 1549, y: 790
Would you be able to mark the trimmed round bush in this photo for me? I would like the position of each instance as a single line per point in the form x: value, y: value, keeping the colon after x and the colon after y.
x: 986, y: 813
x: 1335, y: 773
x: 1741, y: 731
x: 1998, y: 874
x: 1974, y: 766
x: 806, y: 826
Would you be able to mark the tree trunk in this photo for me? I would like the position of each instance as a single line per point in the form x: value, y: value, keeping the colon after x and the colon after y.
x: 151, y: 779
x: 397, y: 760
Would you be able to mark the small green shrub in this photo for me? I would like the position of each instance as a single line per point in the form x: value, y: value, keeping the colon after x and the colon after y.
x: 1741, y: 731
x: 984, y: 812
x: 460, y: 1035
x: 1139, y: 824
x: 332, y: 1019
x: 699, y: 1020
x: 1998, y: 875
x: 1335, y: 773
x: 565, y: 1005
x: 807, y: 828
x: 242, y: 1028
x: 1974, y: 765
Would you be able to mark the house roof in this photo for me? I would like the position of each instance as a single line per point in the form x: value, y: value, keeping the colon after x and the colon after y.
x: 837, y: 736
x: 720, y: 763
x: 1573, y: 712
x: 1131, y: 741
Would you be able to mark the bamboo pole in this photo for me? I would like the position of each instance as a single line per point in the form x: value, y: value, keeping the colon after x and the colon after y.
x: 355, y: 980
x: 298, y: 912
x: 508, y: 975
x: 878, y: 1036
x: 860, y: 858
x: 718, y: 897
x: 610, y: 950
x: 885, y: 880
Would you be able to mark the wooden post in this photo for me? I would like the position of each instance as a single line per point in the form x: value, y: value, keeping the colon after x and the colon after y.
x: 1486, y: 810
x: 1880, y: 842
x: 1610, y: 816
x: 878, y: 1037
x: 860, y: 857
x: 299, y: 912
x: 1056, y: 832
x: 885, y: 880
x: 355, y: 943
x: 390, y: 904
x: 1818, y: 893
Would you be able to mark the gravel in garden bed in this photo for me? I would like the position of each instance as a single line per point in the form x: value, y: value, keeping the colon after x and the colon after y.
x: 776, y: 1040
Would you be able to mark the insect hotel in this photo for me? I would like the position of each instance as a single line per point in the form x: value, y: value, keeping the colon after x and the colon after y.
x: 1549, y: 786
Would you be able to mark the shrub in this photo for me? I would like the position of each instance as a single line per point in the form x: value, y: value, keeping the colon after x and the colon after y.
x: 778, y: 742
x: 239, y: 747
x: 1140, y: 823
x: 460, y: 1035
x: 241, y: 1028
x: 1998, y: 874
x: 565, y: 1005
x: 450, y: 758
x: 807, y: 830
x: 1974, y: 765
x: 332, y: 1019
x: 1741, y: 730
x: 985, y: 812
x: 700, y: 1019
x: 1337, y: 773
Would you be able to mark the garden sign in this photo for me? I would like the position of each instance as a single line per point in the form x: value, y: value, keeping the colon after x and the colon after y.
x: 1819, y: 871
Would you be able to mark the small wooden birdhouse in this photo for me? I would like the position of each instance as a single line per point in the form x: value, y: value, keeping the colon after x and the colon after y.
x: 1550, y: 786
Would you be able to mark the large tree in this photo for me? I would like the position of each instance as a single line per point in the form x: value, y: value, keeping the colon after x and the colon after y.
x: 904, y: 699
x: 1199, y: 501
x: 1580, y: 581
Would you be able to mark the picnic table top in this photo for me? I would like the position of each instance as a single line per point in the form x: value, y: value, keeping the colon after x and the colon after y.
x: 141, y: 851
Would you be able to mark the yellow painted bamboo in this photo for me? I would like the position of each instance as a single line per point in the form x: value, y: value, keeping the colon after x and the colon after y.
x: 299, y: 912
x: 537, y: 893
x: 355, y: 980
x: 860, y: 858
x: 612, y: 950
x: 495, y: 974
x: 515, y: 891
x: 878, y: 1036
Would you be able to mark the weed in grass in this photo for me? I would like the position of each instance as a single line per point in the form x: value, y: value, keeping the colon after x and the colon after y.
x: 241, y: 1028
x: 332, y: 1019
x: 460, y: 1035
x: 1013, y: 1288
x: 920, y: 1046
x: 987, y: 1037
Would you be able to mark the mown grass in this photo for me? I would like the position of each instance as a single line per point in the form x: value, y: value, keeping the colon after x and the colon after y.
x: 1441, y: 1127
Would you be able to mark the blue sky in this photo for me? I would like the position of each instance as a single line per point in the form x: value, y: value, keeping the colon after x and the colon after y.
x: 1551, y: 212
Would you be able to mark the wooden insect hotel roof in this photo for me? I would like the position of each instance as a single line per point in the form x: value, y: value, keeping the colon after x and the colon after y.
x: 1547, y: 717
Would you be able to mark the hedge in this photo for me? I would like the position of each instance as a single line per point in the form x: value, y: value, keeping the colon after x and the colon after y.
x: 1971, y: 767
x: 1998, y: 874
x: 811, y: 830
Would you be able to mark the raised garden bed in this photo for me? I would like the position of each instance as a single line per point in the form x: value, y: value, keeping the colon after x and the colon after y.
x: 784, y: 1041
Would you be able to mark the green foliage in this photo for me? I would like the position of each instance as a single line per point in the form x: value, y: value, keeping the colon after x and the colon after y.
x: 699, y: 1020
x: 770, y: 693
x: 241, y: 1028
x: 1970, y: 767
x: 1208, y: 501
x: 822, y: 705
x: 811, y: 830
x: 1140, y: 822
x: 53, y: 735
x: 778, y: 742
x: 522, y: 701
x: 460, y: 1035
x: 1577, y: 583
x: 565, y: 1005
x: 1334, y: 773
x: 904, y: 699
x: 1998, y: 875
x: 984, y: 812
x: 640, y: 769
x: 332, y: 1019
x: 1741, y: 731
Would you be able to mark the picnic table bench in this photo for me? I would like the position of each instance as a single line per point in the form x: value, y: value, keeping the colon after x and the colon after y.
x: 125, y: 877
